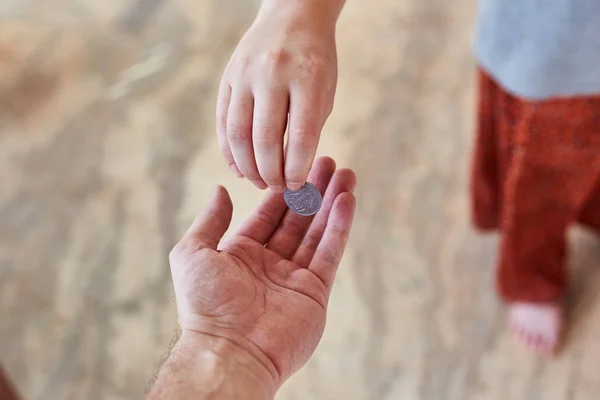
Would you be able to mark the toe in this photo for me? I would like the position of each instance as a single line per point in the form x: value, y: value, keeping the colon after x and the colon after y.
x: 538, y: 327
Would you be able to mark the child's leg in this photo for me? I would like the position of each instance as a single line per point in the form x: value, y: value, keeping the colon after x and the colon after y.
x: 551, y: 175
x: 494, y: 144
x: 534, y: 225
x: 485, y: 179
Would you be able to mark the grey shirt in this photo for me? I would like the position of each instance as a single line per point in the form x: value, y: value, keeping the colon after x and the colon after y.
x: 539, y: 49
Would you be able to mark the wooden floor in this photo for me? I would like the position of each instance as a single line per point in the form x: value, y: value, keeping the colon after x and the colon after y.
x: 107, y: 148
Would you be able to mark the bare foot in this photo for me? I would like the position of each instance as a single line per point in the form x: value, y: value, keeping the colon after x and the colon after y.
x: 538, y: 326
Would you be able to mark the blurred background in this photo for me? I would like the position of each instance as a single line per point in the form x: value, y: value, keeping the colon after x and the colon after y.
x: 107, y: 149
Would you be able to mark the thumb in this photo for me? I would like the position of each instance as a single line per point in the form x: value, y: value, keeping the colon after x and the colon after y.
x: 210, y: 224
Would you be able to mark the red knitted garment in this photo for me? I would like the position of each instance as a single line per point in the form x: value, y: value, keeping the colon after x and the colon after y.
x: 535, y: 170
x: 7, y: 391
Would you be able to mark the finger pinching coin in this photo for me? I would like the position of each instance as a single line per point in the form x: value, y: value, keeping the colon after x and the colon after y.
x: 306, y: 201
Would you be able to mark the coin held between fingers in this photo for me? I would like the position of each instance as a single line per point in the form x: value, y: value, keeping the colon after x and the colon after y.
x: 306, y: 201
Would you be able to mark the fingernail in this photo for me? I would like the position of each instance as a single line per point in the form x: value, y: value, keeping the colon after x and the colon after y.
x: 236, y: 171
x: 294, y: 185
x: 259, y: 183
x: 277, y: 188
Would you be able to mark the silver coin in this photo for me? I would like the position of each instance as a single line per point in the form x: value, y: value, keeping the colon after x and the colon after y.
x: 306, y: 201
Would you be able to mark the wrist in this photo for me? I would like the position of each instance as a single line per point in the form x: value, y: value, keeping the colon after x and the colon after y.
x: 227, y: 366
x: 325, y: 11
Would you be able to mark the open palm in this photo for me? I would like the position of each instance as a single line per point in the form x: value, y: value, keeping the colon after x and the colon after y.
x: 266, y: 288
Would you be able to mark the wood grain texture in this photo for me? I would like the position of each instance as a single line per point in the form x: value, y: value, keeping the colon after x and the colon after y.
x: 107, y: 149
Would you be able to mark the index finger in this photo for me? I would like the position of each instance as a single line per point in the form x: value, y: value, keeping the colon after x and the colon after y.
x: 306, y: 121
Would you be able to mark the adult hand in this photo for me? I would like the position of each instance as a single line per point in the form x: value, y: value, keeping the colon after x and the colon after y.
x: 282, y: 74
x: 266, y: 289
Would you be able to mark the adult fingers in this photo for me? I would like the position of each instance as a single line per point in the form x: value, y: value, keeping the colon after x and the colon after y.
x: 265, y: 219
x: 344, y: 180
x: 293, y: 227
x: 210, y: 224
x: 330, y: 250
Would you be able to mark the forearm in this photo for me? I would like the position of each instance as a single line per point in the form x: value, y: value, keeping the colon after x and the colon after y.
x: 203, y: 367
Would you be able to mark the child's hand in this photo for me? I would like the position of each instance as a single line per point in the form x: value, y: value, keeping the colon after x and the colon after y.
x: 286, y: 63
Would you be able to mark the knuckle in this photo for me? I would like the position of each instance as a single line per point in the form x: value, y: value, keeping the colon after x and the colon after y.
x: 327, y: 255
x: 272, y: 177
x: 292, y: 227
x: 237, y: 66
x: 311, y: 241
x: 249, y: 171
x: 305, y: 136
x: 314, y: 66
x: 238, y: 133
x: 297, y: 173
x: 244, y: 63
x: 253, y: 176
x: 274, y: 60
x: 267, y: 136
x: 297, y: 177
x: 264, y: 217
